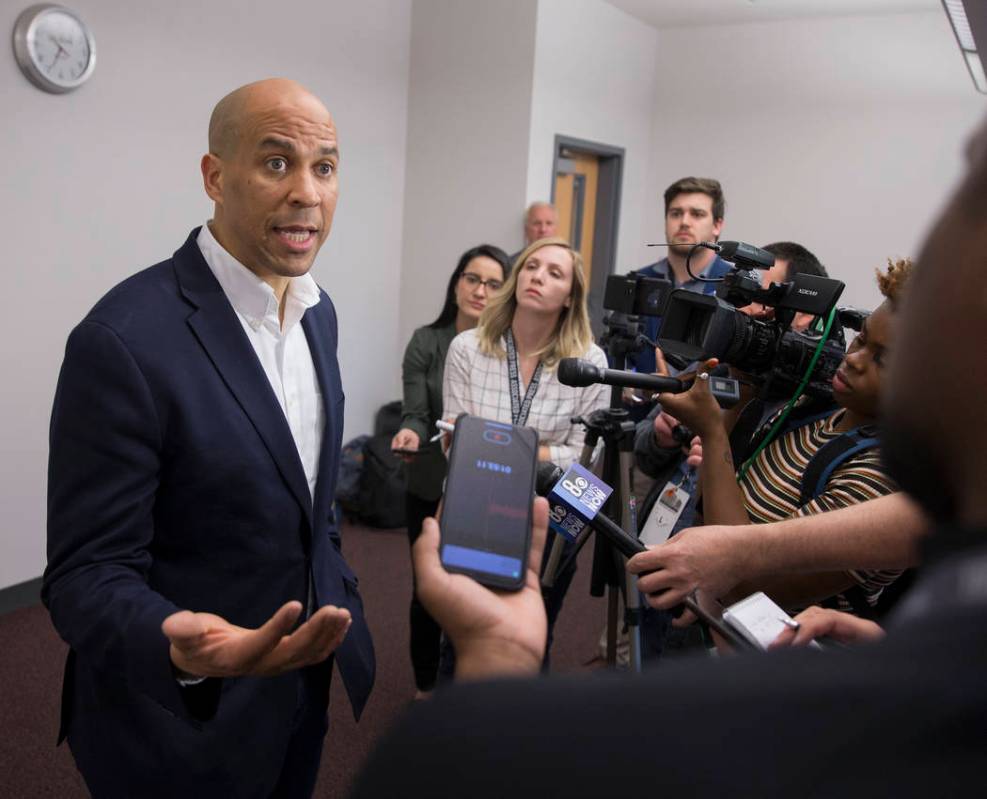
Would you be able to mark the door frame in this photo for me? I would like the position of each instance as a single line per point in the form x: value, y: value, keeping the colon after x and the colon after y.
x: 609, y: 183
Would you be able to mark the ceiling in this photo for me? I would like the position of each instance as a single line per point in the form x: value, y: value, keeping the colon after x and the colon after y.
x: 696, y: 13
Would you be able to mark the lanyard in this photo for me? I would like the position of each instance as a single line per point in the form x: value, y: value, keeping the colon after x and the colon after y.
x: 519, y: 413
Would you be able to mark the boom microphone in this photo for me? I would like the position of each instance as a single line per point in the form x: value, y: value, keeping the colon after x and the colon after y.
x: 746, y: 255
x: 579, y: 372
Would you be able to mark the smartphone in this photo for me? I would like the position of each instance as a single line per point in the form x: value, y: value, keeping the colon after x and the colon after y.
x: 486, y: 511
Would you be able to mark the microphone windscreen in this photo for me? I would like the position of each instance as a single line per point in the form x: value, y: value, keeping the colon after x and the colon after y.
x: 547, y: 475
x: 576, y: 372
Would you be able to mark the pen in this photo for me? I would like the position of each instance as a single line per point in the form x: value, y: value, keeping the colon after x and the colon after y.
x: 790, y: 623
x: 444, y: 427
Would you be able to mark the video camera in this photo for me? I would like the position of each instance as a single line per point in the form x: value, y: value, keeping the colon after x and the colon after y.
x: 699, y: 326
x: 628, y: 299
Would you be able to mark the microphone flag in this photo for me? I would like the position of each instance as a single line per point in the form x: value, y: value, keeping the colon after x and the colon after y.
x: 575, y: 500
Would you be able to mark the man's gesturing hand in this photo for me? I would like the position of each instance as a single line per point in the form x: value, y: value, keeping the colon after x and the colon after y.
x: 206, y: 645
x: 494, y: 632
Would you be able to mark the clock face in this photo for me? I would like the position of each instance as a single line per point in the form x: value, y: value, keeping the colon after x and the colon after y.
x: 54, y: 48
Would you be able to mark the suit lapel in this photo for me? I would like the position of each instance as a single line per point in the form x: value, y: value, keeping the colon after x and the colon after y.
x: 319, y: 326
x: 218, y: 329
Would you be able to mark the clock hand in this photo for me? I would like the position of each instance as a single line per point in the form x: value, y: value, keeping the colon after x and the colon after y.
x: 61, y: 50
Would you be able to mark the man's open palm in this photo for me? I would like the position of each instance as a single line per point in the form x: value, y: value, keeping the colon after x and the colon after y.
x: 206, y: 645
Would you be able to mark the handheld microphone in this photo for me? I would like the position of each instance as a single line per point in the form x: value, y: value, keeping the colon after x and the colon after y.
x: 574, y: 503
x: 572, y: 511
x: 579, y: 372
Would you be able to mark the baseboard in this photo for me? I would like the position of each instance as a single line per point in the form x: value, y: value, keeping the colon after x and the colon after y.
x: 20, y: 595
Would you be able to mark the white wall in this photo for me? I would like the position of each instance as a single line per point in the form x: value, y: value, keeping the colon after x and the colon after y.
x: 842, y: 134
x: 101, y: 182
x: 595, y: 78
x: 468, y: 123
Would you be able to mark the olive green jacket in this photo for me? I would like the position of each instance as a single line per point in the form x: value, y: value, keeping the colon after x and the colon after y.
x: 424, y: 362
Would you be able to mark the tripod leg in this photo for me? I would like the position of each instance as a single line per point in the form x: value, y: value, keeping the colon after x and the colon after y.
x: 613, y: 624
x: 632, y: 598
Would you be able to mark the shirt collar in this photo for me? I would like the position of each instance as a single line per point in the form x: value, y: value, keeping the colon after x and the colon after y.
x: 249, y: 295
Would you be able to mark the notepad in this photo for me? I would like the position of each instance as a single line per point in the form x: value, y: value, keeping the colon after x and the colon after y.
x: 757, y: 618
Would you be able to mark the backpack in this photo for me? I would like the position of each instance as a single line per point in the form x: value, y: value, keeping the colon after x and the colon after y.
x: 350, y: 471
x: 381, y: 500
x: 388, y: 419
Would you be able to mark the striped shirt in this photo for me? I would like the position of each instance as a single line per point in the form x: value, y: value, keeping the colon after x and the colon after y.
x: 772, y: 487
x: 478, y: 384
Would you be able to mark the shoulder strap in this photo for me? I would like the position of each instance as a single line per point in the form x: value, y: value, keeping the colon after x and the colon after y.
x: 743, y: 443
x: 831, y: 456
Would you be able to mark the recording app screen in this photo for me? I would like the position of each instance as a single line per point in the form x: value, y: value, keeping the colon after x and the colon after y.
x: 485, y: 518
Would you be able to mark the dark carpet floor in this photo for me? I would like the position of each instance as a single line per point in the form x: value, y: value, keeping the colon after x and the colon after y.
x: 32, y: 657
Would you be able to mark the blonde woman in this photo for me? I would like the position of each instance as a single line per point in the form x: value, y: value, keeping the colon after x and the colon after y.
x: 506, y: 368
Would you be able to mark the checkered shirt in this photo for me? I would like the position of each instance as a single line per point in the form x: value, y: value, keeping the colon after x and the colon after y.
x: 478, y: 384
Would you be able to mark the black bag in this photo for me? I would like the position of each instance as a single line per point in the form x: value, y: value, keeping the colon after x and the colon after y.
x: 388, y: 419
x: 350, y: 475
x: 382, y: 485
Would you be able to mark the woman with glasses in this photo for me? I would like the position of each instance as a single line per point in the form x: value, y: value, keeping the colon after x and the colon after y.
x: 481, y: 272
x: 506, y: 369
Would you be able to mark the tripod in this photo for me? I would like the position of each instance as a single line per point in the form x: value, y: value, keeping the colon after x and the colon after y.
x: 617, y: 431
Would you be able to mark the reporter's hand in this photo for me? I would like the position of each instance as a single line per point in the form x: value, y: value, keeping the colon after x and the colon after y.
x: 816, y: 622
x: 664, y: 424
x: 405, y: 439
x: 206, y: 645
x: 661, y: 365
x: 695, y: 408
x: 494, y: 632
x: 694, y: 454
x: 712, y: 559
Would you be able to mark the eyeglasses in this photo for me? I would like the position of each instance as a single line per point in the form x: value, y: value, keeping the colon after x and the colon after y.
x: 474, y: 280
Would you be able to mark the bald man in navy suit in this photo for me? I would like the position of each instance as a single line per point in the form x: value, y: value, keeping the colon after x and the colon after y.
x: 194, y: 564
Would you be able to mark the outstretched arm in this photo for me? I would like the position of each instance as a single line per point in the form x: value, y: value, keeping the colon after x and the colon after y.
x: 881, y: 534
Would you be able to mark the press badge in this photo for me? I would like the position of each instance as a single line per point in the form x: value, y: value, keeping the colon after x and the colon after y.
x: 665, y: 513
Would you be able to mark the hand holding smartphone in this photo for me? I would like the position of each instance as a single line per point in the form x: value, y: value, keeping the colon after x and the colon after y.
x: 486, y: 513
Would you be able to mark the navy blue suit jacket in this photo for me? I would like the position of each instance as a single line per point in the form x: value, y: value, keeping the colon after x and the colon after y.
x: 174, y: 483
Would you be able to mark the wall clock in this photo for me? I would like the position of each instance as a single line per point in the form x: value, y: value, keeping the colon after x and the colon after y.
x: 54, y: 48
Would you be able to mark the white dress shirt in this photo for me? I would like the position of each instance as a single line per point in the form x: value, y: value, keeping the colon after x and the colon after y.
x: 281, y: 349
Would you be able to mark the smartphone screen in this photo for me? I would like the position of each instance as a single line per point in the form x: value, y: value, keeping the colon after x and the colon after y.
x: 486, y: 512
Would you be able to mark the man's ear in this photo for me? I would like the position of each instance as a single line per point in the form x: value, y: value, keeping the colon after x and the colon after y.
x: 717, y: 227
x: 212, y: 176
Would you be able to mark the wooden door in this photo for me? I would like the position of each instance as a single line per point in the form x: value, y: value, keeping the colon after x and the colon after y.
x: 576, y: 182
